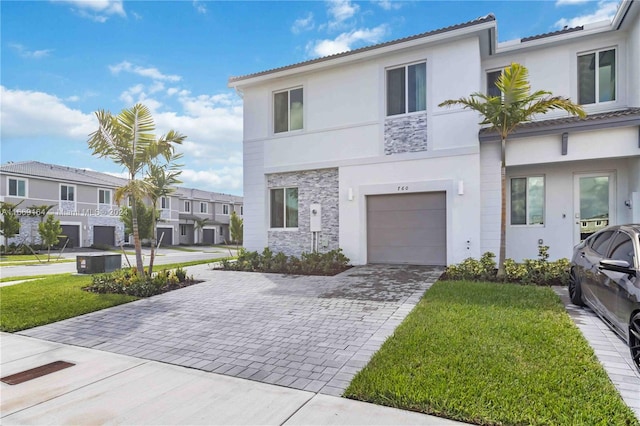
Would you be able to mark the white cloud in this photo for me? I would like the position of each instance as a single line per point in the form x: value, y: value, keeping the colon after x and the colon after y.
x: 96, y: 10
x: 346, y: 41
x: 394, y: 4
x: 31, y: 54
x: 605, y: 12
x: 570, y: 2
x: 303, y: 24
x: 152, y: 73
x: 225, y: 179
x: 36, y: 114
x: 339, y: 12
x: 200, y: 7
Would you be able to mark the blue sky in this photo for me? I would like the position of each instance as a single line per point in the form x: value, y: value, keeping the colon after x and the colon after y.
x: 63, y: 60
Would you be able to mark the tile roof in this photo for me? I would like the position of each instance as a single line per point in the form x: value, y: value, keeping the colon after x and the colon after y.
x: 623, y: 117
x: 477, y: 21
x: 565, y: 30
x: 61, y: 173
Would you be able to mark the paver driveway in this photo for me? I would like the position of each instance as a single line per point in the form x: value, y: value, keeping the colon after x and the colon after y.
x: 310, y: 333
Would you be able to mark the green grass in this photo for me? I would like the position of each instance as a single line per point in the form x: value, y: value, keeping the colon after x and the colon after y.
x: 30, y: 259
x: 50, y: 299
x: 489, y: 353
x: 56, y: 297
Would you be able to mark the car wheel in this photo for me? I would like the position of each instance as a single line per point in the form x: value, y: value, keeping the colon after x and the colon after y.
x: 634, y: 339
x: 575, y: 289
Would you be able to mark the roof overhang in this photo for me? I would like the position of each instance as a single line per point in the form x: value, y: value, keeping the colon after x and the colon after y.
x: 623, y: 118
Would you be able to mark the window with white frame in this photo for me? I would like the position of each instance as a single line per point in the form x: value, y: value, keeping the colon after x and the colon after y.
x: 67, y: 192
x: 284, y: 208
x: 288, y: 110
x: 187, y: 206
x: 527, y: 200
x: 597, y: 77
x: 164, y: 203
x: 492, y: 78
x: 407, y: 89
x: 104, y: 196
x: 225, y: 209
x: 17, y: 187
x: 204, y: 207
x: 183, y: 230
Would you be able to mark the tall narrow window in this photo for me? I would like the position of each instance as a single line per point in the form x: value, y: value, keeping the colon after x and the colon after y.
x: 67, y: 193
x: 17, y: 187
x: 203, y: 207
x: 164, y: 203
x: 527, y: 201
x: 288, y: 110
x: 225, y: 209
x: 284, y: 208
x: 492, y: 78
x: 187, y: 206
x: 407, y: 89
x: 597, y: 77
x: 104, y: 196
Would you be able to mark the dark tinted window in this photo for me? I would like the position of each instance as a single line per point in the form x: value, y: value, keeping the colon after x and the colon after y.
x: 622, y: 248
x: 600, y: 243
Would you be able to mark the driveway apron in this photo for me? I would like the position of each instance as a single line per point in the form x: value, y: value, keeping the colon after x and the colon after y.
x: 309, y: 333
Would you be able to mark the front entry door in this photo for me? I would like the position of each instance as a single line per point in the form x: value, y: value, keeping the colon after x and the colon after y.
x: 594, y: 203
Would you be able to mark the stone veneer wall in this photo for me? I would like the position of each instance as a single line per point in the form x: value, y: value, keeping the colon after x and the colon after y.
x: 314, y: 187
x: 407, y: 133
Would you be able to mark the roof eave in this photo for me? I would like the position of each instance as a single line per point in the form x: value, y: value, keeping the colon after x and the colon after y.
x: 350, y: 57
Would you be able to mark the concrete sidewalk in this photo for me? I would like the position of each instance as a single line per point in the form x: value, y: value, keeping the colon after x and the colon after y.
x: 104, y: 387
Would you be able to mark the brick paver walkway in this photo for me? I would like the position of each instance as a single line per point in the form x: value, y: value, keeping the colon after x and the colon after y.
x: 310, y: 333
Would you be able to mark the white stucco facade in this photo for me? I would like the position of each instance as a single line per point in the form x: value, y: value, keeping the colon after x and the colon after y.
x: 346, y: 127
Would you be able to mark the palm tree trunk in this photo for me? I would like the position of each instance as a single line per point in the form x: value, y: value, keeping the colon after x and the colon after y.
x: 136, y: 237
x: 153, y: 238
x: 503, y: 211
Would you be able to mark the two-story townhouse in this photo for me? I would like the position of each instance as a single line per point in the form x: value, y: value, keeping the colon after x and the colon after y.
x: 84, y: 203
x: 204, y: 216
x: 352, y: 150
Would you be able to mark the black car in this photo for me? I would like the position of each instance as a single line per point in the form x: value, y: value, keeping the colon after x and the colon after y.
x: 604, y: 276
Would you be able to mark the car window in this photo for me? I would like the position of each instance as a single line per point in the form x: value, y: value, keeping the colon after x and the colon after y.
x: 600, y: 242
x: 622, y: 248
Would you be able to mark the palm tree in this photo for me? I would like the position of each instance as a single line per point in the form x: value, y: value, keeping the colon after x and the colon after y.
x: 504, y: 113
x: 128, y: 140
x: 161, y: 180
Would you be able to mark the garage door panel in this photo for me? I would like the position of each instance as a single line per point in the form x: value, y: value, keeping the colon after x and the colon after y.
x: 104, y: 235
x: 407, y: 228
x: 72, y: 232
x: 208, y: 236
x: 418, y: 237
x: 418, y: 201
x: 167, y: 238
x: 408, y: 219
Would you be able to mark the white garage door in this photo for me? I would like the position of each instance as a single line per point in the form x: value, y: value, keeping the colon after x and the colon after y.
x: 407, y: 228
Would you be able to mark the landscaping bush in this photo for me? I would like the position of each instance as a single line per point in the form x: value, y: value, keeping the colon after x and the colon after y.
x: 127, y: 281
x: 531, y: 271
x: 330, y: 263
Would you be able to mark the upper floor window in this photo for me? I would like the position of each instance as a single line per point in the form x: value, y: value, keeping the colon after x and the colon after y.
x: 67, y: 192
x: 104, y: 196
x: 597, y: 77
x: 284, y: 208
x: 407, y: 89
x: 187, y: 206
x: 225, y: 209
x: 287, y: 110
x: 17, y: 187
x: 164, y: 203
x: 527, y: 200
x: 203, y: 207
x: 241, y: 210
x: 492, y: 78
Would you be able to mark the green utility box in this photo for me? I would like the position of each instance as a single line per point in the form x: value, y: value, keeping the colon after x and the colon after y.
x: 95, y: 264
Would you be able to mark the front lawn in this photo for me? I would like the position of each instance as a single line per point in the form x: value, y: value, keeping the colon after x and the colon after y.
x: 50, y: 299
x: 489, y: 353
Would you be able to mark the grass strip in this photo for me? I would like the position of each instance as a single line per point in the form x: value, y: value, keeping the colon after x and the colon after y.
x: 50, y: 299
x: 488, y: 353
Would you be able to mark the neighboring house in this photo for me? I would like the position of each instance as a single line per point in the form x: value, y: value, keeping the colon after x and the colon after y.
x: 352, y: 150
x: 84, y: 203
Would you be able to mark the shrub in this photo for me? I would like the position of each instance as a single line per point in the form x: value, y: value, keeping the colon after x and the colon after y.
x: 531, y: 271
x: 329, y: 263
x: 127, y: 281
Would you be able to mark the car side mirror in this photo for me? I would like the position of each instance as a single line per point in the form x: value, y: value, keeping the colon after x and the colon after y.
x: 617, y: 266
